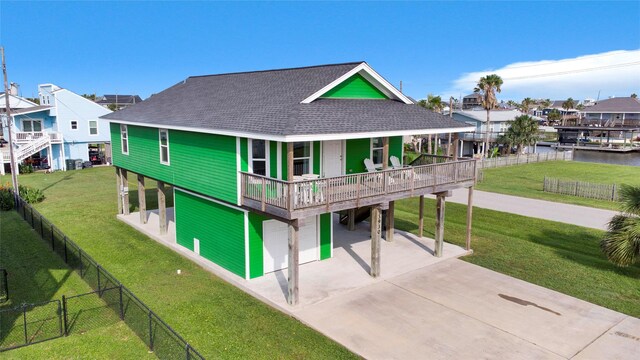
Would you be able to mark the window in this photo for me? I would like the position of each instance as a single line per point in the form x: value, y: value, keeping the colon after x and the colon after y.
x: 376, y: 151
x: 31, y: 125
x: 164, y: 146
x: 259, y: 157
x: 93, y: 127
x: 74, y: 125
x: 301, y: 158
x: 124, y: 139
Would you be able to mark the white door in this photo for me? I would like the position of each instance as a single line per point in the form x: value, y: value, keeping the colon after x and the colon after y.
x: 332, y: 159
x: 276, y: 243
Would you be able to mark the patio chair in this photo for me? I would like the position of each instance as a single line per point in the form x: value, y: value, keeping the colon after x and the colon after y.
x: 369, y: 165
x: 395, y: 162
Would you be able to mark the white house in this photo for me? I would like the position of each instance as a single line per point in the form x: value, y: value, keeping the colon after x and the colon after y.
x: 64, y: 126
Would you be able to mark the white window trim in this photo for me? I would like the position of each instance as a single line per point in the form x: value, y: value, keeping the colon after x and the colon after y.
x: 266, y: 159
x: 122, y: 139
x: 89, y: 128
x: 71, y: 125
x: 32, y: 121
x: 310, y: 157
x: 168, y: 162
x: 371, y: 148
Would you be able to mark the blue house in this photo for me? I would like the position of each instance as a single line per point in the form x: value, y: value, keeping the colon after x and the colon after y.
x: 64, y: 126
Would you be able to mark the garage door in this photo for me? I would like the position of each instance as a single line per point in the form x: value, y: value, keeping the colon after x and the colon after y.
x: 276, y: 243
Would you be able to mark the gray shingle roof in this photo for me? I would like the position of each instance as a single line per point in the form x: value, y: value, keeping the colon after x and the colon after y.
x: 120, y: 99
x: 268, y: 102
x: 615, y: 105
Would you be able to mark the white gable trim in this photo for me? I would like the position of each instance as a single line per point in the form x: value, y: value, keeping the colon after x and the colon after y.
x: 368, y: 73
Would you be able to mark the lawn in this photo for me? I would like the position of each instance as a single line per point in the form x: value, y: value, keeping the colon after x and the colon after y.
x: 217, y: 319
x: 558, y: 256
x: 36, y: 274
x: 526, y: 180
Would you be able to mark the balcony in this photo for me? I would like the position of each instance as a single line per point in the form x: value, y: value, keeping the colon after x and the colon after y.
x: 303, y: 198
x: 29, y: 136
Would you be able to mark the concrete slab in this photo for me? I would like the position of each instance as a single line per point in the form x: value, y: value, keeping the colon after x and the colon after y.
x: 348, y: 269
x: 618, y: 343
x: 383, y: 321
x: 554, y: 321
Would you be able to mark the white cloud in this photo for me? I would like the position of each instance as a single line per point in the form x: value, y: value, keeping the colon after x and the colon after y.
x: 614, y: 73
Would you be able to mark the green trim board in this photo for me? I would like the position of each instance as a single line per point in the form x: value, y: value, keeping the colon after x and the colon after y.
x: 198, y: 218
x: 316, y: 157
x: 326, y: 236
x: 244, y: 154
x: 273, y: 159
x: 355, y: 87
x: 256, y: 245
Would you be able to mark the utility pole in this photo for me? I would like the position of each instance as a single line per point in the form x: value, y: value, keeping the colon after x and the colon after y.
x: 14, y: 170
x: 400, y: 85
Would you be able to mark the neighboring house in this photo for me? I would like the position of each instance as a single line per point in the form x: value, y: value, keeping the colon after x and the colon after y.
x: 64, y: 126
x: 557, y: 105
x: 118, y: 102
x: 15, y: 103
x: 472, y: 101
x: 611, y: 122
x: 499, y: 123
x: 254, y: 156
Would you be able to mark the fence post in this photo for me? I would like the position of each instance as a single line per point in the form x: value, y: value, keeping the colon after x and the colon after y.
x: 188, y: 352
x: 24, y: 321
x: 64, y: 315
x: 150, y: 331
x: 80, y: 257
x: 121, y: 305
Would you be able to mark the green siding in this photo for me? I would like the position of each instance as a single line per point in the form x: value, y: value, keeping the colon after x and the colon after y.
x: 316, y: 157
x: 355, y: 87
x: 325, y: 236
x: 273, y: 159
x: 284, y: 161
x: 219, y: 228
x: 395, y: 147
x: 357, y: 151
x: 204, y: 163
x: 244, y: 154
x: 256, y: 245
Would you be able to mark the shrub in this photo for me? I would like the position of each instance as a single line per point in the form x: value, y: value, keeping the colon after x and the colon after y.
x: 25, y: 168
x: 31, y: 195
x: 6, y: 199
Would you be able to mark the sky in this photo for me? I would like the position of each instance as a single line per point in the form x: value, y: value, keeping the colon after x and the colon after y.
x: 541, y: 49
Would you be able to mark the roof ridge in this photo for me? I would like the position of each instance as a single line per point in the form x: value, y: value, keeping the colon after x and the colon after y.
x: 281, y: 69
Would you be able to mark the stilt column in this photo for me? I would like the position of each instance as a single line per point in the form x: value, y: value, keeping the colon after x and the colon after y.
x: 125, y: 191
x: 439, y: 223
x: 376, y: 232
x: 293, y: 280
x: 162, y: 208
x: 118, y: 189
x: 142, y: 200
x: 390, y: 223
x: 351, y: 225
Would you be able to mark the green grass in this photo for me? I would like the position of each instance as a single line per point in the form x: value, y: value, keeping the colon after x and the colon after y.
x: 36, y: 274
x: 558, y: 256
x: 216, y: 318
x: 527, y: 180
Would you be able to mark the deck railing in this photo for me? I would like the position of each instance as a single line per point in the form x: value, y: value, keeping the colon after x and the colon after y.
x: 323, y: 192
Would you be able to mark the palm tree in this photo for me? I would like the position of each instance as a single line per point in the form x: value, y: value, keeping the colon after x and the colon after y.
x: 523, y: 130
x: 433, y: 103
x: 525, y: 105
x: 580, y: 107
x: 487, y: 87
x: 634, y: 95
x: 567, y: 105
x: 621, y: 243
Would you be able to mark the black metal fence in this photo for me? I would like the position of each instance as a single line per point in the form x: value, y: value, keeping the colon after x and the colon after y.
x: 113, y: 297
x: 28, y: 324
x: 4, y: 286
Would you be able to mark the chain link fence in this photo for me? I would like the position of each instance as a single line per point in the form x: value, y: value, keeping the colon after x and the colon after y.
x: 109, y: 301
x: 28, y: 324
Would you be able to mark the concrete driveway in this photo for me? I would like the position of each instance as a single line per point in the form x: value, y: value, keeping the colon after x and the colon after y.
x: 457, y: 310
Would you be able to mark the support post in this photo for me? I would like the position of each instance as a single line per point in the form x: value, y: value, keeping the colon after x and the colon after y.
x: 385, y: 153
x: 456, y: 144
x: 469, y: 217
x: 421, y: 217
x: 351, y: 225
x: 293, y: 280
x: 439, y: 223
x: 142, y: 200
x: 390, y: 224
x: 125, y: 191
x: 118, y: 189
x: 376, y: 229
x: 162, y: 208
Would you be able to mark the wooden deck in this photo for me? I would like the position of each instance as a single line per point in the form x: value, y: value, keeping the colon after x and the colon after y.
x: 298, y: 199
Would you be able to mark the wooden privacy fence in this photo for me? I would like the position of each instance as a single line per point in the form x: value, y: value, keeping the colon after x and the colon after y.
x: 524, y: 159
x: 582, y: 189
